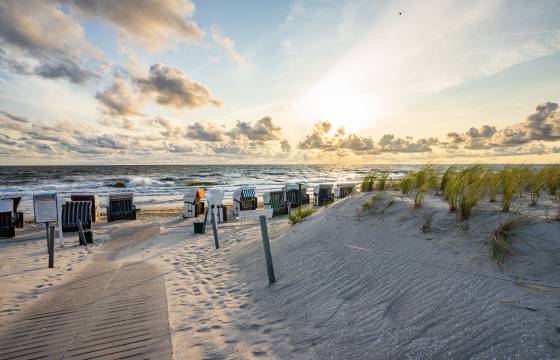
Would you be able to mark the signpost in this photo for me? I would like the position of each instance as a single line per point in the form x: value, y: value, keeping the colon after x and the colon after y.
x: 46, y: 211
x: 267, y: 253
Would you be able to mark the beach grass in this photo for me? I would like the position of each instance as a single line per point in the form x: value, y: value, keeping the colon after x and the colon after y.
x: 299, y: 215
x: 511, y: 183
x: 551, y: 178
x: 382, y: 182
x: 407, y: 182
x: 500, y: 243
x: 424, y: 180
x: 367, y: 182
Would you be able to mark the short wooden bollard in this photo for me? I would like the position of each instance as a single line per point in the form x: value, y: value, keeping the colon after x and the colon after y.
x: 50, y: 244
x: 267, y: 253
x: 214, y: 228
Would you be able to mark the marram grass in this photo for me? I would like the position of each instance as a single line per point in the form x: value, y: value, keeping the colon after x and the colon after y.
x: 500, y: 243
x: 299, y: 215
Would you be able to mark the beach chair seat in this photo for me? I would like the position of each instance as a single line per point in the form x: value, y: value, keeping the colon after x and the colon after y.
x: 7, y: 225
x: 293, y: 195
x: 7, y: 219
x: 275, y: 200
x: 244, y: 199
x: 95, y: 204
x: 74, y: 213
x: 121, y: 207
x: 323, y: 194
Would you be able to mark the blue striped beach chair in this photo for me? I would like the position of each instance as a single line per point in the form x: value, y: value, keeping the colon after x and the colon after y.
x: 244, y: 198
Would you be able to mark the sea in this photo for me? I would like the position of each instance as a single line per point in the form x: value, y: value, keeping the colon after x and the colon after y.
x: 163, y: 186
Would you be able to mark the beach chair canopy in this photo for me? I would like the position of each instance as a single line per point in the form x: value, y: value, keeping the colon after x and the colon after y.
x: 294, y: 186
x: 245, y: 193
x: 6, y: 205
x: 215, y: 197
x: 121, y: 196
x: 193, y: 195
x: 320, y: 187
x: 95, y: 204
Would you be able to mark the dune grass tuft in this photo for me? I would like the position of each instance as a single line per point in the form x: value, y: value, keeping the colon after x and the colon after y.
x: 424, y: 180
x: 367, y: 182
x: 299, y: 215
x: 551, y: 177
x: 407, y: 182
x: 536, y: 182
x: 511, y: 183
x: 382, y: 182
x: 500, y: 244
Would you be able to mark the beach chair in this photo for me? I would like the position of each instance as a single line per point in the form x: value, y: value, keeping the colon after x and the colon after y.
x: 121, y: 207
x: 75, y: 212
x: 244, y: 198
x: 345, y: 189
x: 193, y: 203
x: 275, y: 200
x: 215, y: 197
x: 7, y: 220
x: 292, y: 195
x: 323, y: 194
x: 95, y: 204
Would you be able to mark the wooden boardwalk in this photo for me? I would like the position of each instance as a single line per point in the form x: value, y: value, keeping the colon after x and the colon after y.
x: 112, y: 310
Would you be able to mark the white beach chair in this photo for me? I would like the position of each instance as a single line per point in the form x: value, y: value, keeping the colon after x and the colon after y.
x: 343, y: 190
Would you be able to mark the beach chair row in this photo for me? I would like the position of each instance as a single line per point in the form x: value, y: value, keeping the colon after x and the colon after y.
x: 280, y: 201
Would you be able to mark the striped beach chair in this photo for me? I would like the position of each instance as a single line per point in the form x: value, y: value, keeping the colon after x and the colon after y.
x: 275, y: 200
x: 193, y: 203
x: 244, y: 198
x: 345, y: 189
x: 121, y: 207
x: 323, y: 194
x: 293, y: 195
x: 74, y: 213
x: 7, y: 221
x: 95, y: 204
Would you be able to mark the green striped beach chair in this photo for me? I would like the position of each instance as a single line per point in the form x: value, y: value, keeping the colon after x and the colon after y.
x: 275, y: 200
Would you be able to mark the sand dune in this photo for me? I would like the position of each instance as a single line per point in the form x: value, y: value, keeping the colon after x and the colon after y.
x: 387, y: 282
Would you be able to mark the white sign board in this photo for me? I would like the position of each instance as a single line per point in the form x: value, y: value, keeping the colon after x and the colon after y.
x: 6, y: 205
x: 45, y: 207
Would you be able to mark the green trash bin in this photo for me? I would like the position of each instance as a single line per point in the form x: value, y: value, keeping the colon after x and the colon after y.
x: 198, y: 227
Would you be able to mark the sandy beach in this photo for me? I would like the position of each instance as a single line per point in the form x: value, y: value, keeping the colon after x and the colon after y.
x: 389, y: 281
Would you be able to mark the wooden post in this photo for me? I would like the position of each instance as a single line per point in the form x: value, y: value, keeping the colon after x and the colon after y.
x: 214, y: 227
x: 300, y: 197
x: 50, y: 242
x: 267, y: 253
x: 81, y: 234
x: 205, y: 218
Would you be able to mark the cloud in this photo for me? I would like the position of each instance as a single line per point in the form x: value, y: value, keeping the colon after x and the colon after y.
x: 543, y: 124
x: 19, y: 119
x: 285, y: 145
x: 227, y: 44
x: 172, y: 87
x: 318, y: 138
x: 120, y: 98
x: 197, y: 131
x: 263, y: 130
x: 388, y: 143
x: 65, y: 68
x: 153, y: 24
x: 38, y: 35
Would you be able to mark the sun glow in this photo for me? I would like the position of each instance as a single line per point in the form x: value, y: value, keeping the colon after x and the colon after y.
x: 340, y: 102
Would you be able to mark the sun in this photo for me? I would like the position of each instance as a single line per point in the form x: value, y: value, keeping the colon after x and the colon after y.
x: 334, y: 100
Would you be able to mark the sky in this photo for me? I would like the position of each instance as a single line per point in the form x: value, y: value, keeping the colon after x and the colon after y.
x: 219, y: 81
